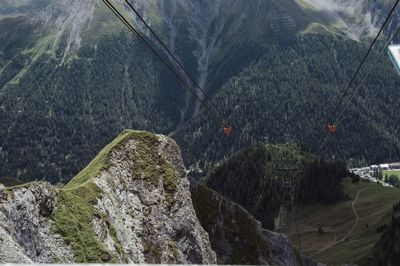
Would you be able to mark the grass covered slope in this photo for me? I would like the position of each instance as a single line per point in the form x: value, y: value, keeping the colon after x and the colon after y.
x: 72, y: 220
x: 100, y: 162
x: 338, y: 243
x: 75, y: 210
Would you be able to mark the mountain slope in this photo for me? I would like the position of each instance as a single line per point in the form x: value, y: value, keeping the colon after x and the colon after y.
x: 12, y: 8
x: 341, y: 240
x: 59, y: 86
x: 289, y: 94
x: 339, y: 221
x: 71, y: 78
x: 237, y: 237
x: 249, y: 179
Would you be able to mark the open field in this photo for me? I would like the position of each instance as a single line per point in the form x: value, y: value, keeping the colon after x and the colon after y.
x: 336, y: 244
x: 391, y: 172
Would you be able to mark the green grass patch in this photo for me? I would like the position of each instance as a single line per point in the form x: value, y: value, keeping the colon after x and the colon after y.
x: 73, y: 217
x: 23, y: 185
x: 374, y: 207
x: 391, y: 172
x: 151, y: 166
x: 100, y: 162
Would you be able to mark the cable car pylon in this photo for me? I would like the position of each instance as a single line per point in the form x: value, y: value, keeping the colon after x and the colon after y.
x: 287, y: 214
x: 287, y: 196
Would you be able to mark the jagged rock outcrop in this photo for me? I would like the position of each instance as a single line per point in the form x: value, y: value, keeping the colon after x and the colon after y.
x: 237, y: 237
x: 130, y: 204
x: 283, y: 252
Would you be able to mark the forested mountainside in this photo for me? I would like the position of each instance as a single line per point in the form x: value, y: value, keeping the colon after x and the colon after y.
x: 60, y: 106
x: 71, y: 78
x: 290, y: 93
x: 251, y: 178
x: 56, y: 117
x: 11, y: 8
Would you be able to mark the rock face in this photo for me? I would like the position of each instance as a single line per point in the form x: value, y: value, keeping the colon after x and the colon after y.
x: 237, y: 237
x: 152, y: 213
x: 130, y: 204
x: 283, y: 252
x: 25, y: 226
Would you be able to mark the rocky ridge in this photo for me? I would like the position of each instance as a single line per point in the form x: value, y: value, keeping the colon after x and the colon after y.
x: 130, y: 204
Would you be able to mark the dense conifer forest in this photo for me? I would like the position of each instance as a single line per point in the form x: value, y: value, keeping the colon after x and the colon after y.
x: 289, y: 95
x: 56, y: 118
x: 251, y: 178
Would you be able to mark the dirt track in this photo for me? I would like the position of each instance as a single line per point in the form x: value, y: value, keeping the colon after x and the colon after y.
x: 351, y: 230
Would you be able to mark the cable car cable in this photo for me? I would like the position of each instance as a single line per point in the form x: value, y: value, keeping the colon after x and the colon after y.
x: 169, y: 52
x: 360, y: 85
x: 358, y: 69
x: 161, y: 59
x: 147, y: 45
x: 365, y: 58
x: 228, y: 128
x: 367, y: 76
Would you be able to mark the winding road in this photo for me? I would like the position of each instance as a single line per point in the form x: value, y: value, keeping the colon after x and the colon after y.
x: 348, y: 233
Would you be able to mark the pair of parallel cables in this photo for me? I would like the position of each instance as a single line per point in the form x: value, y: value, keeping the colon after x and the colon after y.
x: 206, y: 101
x: 349, y: 85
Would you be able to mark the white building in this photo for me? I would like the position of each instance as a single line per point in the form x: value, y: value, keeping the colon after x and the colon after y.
x: 384, y: 166
x: 394, y: 166
x: 374, y: 167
